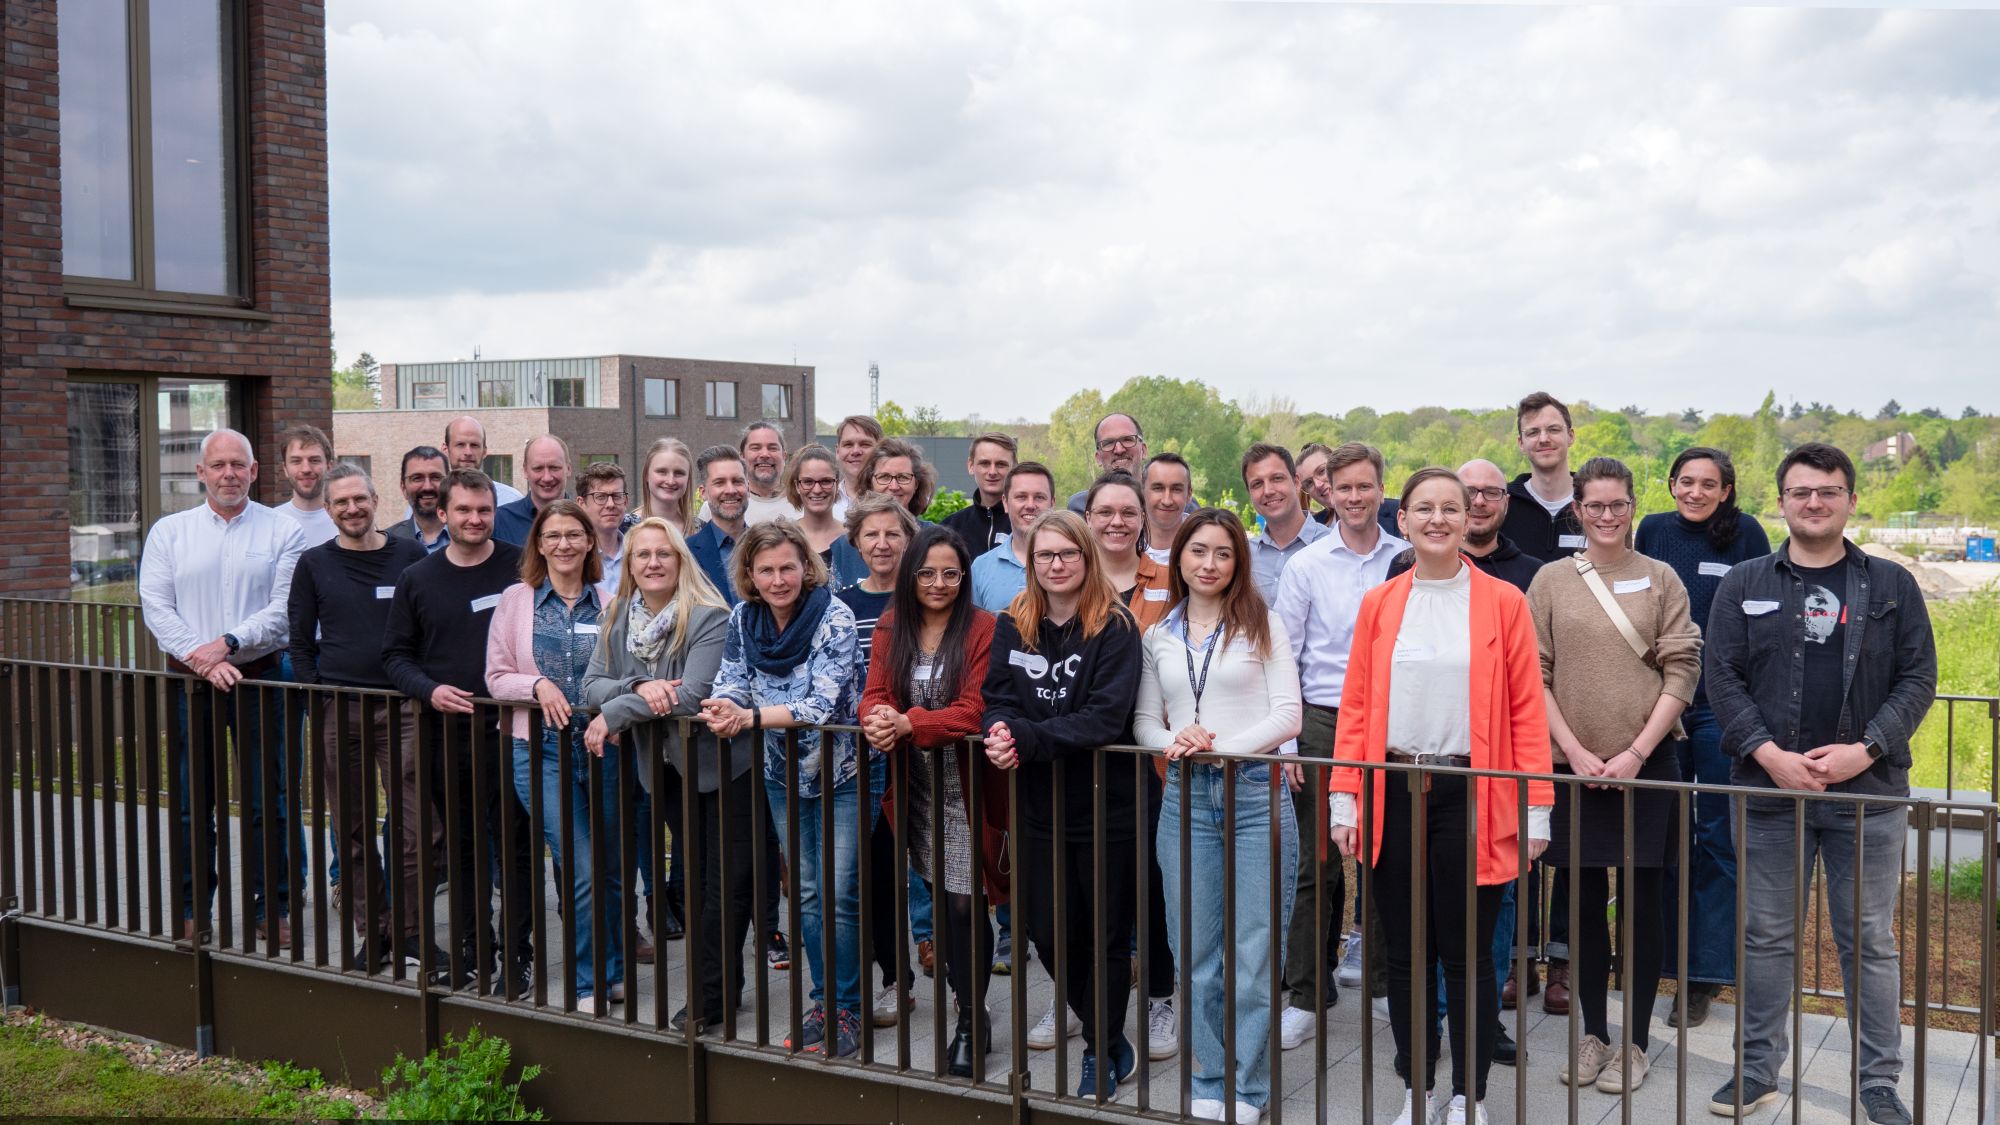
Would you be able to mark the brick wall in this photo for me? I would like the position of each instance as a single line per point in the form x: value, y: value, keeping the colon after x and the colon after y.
x: 283, y: 361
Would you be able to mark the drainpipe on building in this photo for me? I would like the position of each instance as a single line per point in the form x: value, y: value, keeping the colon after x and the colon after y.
x: 635, y: 407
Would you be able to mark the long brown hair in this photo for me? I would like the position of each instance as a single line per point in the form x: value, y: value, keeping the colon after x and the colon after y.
x: 535, y: 568
x: 1097, y: 603
x: 1244, y: 614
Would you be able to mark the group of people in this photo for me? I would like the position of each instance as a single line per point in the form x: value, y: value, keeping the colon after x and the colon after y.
x: 1304, y: 685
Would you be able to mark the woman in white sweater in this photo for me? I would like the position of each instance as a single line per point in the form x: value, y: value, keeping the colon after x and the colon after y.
x: 1218, y: 683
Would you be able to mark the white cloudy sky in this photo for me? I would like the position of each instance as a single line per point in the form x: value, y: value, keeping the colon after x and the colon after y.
x: 1001, y: 203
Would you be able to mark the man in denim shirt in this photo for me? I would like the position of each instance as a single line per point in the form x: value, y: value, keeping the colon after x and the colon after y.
x: 1820, y: 666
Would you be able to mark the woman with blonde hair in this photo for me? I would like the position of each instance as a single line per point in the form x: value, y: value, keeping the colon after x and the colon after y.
x: 666, y: 485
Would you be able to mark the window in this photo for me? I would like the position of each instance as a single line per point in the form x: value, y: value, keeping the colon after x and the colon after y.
x: 663, y: 398
x: 777, y: 400
x: 429, y: 396
x: 721, y: 399
x: 152, y: 168
x: 566, y: 392
x: 496, y: 392
x: 594, y: 458
x: 360, y: 461
x: 499, y: 466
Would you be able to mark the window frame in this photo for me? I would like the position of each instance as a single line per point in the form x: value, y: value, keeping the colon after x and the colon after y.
x: 784, y: 397
x: 580, y: 394
x: 443, y: 395
x: 479, y: 394
x: 735, y: 404
x: 672, y: 388
x: 141, y: 294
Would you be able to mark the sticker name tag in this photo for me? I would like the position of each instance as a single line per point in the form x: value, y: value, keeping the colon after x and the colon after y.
x: 1156, y: 595
x: 1036, y: 664
x: 1570, y: 542
x: 481, y: 605
x: 384, y: 593
x: 1411, y: 653
x: 1632, y: 585
x: 1758, y: 608
x: 583, y: 630
x: 1714, y: 569
x: 924, y: 672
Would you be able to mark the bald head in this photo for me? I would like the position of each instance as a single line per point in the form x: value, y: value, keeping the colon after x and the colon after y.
x: 547, y: 467
x: 465, y: 442
x: 1487, y: 486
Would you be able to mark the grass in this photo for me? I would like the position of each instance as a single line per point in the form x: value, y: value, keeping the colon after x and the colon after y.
x: 1968, y: 647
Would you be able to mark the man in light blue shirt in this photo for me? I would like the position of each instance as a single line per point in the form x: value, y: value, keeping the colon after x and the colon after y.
x: 1271, y: 479
x: 999, y: 575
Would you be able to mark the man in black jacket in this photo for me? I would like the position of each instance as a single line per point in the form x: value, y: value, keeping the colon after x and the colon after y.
x: 1821, y: 665
x: 984, y: 521
x: 1541, y: 513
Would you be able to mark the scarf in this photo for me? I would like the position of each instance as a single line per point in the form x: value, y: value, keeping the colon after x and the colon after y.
x: 646, y: 635
x: 777, y: 653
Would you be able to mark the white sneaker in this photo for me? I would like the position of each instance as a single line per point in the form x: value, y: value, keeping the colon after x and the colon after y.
x: 1295, y: 1027
x: 1410, y: 1116
x: 888, y: 1008
x: 1348, y: 973
x: 1457, y: 1114
x: 1042, y: 1037
x: 1382, y: 1007
x: 1205, y: 1109
x: 1163, y: 1038
x: 1247, y: 1114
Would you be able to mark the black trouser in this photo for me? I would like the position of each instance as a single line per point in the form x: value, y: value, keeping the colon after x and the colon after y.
x: 353, y: 731
x: 773, y: 875
x: 1090, y: 956
x: 1159, y: 966
x: 957, y: 927
x: 1593, y: 948
x: 719, y: 967
x: 1448, y: 892
x: 887, y: 870
x: 491, y: 832
x: 1316, y: 876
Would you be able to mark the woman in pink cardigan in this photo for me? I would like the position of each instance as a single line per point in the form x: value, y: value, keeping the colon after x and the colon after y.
x: 538, y: 650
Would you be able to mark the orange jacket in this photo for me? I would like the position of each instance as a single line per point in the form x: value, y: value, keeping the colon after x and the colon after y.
x: 1510, y: 726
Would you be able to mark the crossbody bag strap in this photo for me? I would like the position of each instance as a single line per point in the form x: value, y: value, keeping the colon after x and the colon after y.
x: 1611, y: 609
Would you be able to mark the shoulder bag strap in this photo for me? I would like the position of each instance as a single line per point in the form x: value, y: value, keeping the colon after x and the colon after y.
x: 1611, y: 610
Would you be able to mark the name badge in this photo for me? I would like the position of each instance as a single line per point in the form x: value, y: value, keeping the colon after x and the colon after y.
x: 1570, y: 542
x: 481, y: 605
x: 1414, y: 653
x: 1714, y: 569
x: 1632, y: 585
x: 583, y: 630
x: 924, y: 672
x: 1154, y: 595
x: 1036, y: 664
x: 1758, y: 608
x: 384, y: 593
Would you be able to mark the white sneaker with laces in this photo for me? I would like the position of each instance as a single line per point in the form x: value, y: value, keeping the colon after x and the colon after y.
x: 1163, y: 1036
x: 1295, y: 1027
x: 1459, y: 1114
x: 1205, y: 1109
x: 1247, y: 1114
x: 1042, y: 1037
x: 889, y: 1007
x: 1382, y: 1007
x: 1347, y: 974
x: 1410, y: 1115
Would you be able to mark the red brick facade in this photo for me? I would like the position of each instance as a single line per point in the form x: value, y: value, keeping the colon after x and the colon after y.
x: 281, y: 356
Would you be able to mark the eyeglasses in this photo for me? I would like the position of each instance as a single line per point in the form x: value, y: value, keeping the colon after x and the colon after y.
x: 1596, y: 510
x: 816, y: 484
x: 1109, y: 514
x: 556, y: 538
x: 1828, y: 494
x: 1123, y: 441
x: 1066, y: 555
x: 1433, y: 511
x: 902, y: 479
x: 932, y: 576
x: 605, y: 497
x: 1490, y: 495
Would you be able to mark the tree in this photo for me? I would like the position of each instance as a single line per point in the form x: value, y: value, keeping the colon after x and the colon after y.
x: 1890, y: 409
x: 358, y: 386
x: 895, y: 421
x: 1797, y: 412
x: 1690, y: 417
x: 927, y: 420
x: 1072, y: 441
x: 1189, y: 418
x: 1930, y: 412
x: 1970, y: 412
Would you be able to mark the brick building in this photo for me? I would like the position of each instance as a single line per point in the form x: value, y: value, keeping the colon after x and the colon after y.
x: 163, y: 265
x: 606, y: 407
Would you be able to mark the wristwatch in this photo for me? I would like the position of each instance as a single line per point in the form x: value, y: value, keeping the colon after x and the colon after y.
x: 1874, y: 749
x: 230, y: 640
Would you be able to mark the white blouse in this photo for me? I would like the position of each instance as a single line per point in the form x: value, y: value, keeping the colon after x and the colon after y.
x: 1249, y: 702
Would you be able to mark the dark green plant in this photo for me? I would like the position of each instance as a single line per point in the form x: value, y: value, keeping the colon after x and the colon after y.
x: 461, y: 1081
x: 947, y: 501
x: 294, y: 1093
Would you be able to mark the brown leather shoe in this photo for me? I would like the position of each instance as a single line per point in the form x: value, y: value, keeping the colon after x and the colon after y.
x: 643, y: 953
x: 1510, y: 993
x: 927, y: 957
x: 284, y: 925
x: 1555, y: 998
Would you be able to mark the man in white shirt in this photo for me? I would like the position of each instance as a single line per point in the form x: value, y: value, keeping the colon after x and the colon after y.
x: 999, y: 575
x: 308, y: 454
x: 465, y: 443
x: 1319, y: 597
x: 213, y: 585
x: 856, y: 437
x: 762, y: 448
x: 1273, y: 485
x: 1169, y: 487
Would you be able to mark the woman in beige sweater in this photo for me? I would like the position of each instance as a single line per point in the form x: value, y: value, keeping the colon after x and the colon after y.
x: 1613, y: 714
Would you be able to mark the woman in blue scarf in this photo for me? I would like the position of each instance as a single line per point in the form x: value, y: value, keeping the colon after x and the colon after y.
x: 789, y: 661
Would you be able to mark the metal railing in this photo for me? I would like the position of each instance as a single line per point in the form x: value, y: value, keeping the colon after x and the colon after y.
x: 90, y: 849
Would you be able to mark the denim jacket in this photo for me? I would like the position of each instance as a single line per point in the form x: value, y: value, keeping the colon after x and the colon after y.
x: 1756, y: 665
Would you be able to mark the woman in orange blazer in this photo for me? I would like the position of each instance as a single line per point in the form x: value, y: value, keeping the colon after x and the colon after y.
x: 1443, y: 672
x: 924, y: 693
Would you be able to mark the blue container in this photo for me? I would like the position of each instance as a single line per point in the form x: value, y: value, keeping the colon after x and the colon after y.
x: 1979, y: 548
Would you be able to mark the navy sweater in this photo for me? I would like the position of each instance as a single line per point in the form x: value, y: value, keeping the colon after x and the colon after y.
x: 1683, y: 544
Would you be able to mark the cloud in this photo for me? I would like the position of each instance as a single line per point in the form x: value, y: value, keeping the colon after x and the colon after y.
x: 1006, y: 202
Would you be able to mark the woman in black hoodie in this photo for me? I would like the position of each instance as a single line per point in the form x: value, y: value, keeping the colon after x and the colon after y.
x: 1061, y: 684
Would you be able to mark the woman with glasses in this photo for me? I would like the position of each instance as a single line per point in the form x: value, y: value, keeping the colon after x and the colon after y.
x: 1702, y: 539
x: 538, y: 650
x: 897, y: 468
x: 923, y: 695
x: 1442, y: 671
x: 659, y: 645
x: 789, y: 661
x: 1060, y: 684
x: 1218, y: 678
x: 1620, y: 659
x: 812, y: 485
x: 666, y: 485
x: 1117, y: 518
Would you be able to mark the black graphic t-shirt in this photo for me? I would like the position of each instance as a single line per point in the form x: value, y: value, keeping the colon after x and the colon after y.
x: 1825, y: 648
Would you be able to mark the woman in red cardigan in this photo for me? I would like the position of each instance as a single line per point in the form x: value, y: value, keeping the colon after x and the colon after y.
x: 923, y: 693
x: 1443, y: 672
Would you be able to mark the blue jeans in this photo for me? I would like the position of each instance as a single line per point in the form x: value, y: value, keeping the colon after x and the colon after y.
x: 920, y: 908
x: 1260, y: 938
x: 844, y: 823
x: 258, y: 742
x: 1711, y: 872
x: 573, y: 854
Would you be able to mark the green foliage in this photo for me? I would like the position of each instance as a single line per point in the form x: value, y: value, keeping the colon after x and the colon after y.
x: 1187, y: 417
x: 1965, y: 880
x: 297, y: 1092
x: 41, y: 1077
x: 947, y: 501
x: 462, y: 1081
x: 1967, y: 631
x: 895, y: 420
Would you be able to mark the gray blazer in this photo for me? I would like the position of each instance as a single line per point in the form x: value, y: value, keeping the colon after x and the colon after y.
x: 611, y: 686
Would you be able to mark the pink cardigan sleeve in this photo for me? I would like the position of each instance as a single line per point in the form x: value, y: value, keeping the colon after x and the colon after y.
x: 510, y: 652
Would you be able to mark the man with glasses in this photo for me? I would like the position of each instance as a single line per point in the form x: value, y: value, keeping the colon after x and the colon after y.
x: 465, y: 443
x: 547, y: 463
x: 1120, y: 446
x: 602, y: 490
x: 1820, y: 664
x: 999, y: 575
x: 424, y: 468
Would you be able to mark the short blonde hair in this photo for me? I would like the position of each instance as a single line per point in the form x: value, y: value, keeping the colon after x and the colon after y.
x: 764, y: 536
x: 692, y: 589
